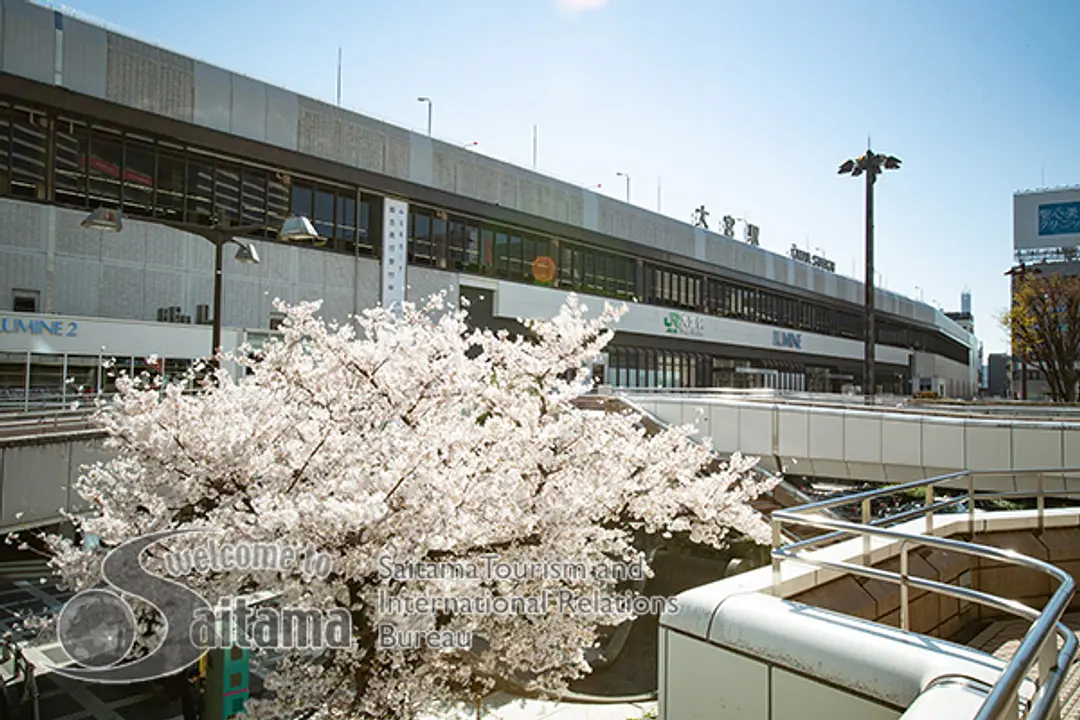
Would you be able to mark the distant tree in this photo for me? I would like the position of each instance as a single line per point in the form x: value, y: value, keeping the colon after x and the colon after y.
x: 1044, y: 322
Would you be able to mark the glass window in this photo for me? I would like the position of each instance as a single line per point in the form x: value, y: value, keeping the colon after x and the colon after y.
x: 456, y: 244
x: 610, y: 274
x: 227, y: 193
x: 487, y: 249
x: 324, y: 214
x: 106, y: 159
x: 566, y: 267
x: 346, y: 221
x: 513, y: 257
x: 28, y: 133
x: 472, y: 248
x: 138, y: 177
x: 278, y: 201
x: 502, y: 262
x: 303, y: 199
x: 528, y: 254
x: 369, y: 228
x: 438, y: 239
x: 589, y: 270
x: 420, y: 239
x: 253, y: 197
x: 72, y: 146
x: 170, y: 187
x: 579, y: 269
x: 200, y: 189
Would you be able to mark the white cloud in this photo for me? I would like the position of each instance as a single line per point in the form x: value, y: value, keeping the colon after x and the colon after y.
x: 576, y: 6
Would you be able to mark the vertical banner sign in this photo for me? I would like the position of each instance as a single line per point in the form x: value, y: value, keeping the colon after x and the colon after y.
x: 395, y: 217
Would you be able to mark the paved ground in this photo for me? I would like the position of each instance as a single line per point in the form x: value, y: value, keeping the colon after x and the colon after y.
x: 1002, y: 638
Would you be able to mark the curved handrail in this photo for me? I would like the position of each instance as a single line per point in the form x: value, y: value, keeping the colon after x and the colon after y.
x: 1040, y: 641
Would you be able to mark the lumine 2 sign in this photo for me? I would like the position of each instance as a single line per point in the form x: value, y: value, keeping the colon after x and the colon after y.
x: 37, y: 326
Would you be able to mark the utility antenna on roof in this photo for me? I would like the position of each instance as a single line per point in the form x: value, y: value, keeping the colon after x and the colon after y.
x: 339, y: 76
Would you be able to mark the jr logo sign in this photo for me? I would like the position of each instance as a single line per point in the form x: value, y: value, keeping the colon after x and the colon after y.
x: 679, y: 324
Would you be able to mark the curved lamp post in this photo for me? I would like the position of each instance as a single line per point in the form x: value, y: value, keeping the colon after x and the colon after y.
x: 295, y: 229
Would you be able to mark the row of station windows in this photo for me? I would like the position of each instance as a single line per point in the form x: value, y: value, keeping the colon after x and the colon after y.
x: 76, y: 162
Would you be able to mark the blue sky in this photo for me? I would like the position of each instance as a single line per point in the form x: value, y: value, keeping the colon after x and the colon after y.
x: 747, y: 107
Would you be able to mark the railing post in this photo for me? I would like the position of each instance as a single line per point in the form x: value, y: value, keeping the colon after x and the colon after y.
x: 904, y: 620
x: 1040, y: 499
x: 929, y: 505
x: 777, y: 538
x: 1047, y: 661
x: 866, y: 538
x: 971, y: 503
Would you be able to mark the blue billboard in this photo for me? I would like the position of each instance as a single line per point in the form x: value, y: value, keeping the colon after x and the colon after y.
x: 1059, y: 219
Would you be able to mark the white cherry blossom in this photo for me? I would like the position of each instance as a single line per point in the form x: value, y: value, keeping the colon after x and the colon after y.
x: 418, y: 438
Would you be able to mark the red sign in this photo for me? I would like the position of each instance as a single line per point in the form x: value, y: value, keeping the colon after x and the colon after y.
x: 543, y: 269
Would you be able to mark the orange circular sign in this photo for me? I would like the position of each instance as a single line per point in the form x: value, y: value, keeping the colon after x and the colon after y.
x: 543, y: 269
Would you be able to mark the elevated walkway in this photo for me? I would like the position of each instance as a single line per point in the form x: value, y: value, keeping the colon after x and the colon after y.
x: 827, y: 438
x: 868, y: 619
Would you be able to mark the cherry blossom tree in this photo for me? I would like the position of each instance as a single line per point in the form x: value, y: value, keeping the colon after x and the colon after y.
x: 408, y: 438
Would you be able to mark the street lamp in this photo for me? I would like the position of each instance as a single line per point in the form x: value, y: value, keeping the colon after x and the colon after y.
x: 920, y: 293
x: 220, y: 234
x: 870, y: 164
x: 627, y: 176
x: 428, y: 101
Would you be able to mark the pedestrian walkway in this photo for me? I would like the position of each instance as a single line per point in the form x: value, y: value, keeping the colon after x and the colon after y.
x: 1002, y: 638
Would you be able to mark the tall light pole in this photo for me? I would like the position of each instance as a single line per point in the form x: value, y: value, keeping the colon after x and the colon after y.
x: 428, y: 101
x: 220, y: 233
x: 871, y: 165
x: 1017, y: 273
x: 627, y: 176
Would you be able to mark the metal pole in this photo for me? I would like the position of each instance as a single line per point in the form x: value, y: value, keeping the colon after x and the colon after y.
x: 429, y: 118
x: 26, y: 383
x: 905, y: 621
x: 928, y: 504
x: 627, y: 189
x: 219, y: 246
x: 1040, y: 501
x: 865, y: 519
x: 869, y: 384
x: 777, y: 539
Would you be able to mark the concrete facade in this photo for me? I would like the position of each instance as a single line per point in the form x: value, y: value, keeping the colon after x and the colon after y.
x: 122, y: 70
x: 130, y: 274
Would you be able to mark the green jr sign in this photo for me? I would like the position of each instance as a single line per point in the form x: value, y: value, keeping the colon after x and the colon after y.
x: 682, y: 324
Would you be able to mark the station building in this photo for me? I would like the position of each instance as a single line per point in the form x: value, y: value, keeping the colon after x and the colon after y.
x: 90, y: 118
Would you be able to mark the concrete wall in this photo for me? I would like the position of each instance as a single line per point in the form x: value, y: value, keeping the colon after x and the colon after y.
x: 128, y: 275
x: 123, y: 70
x: 944, y: 617
x: 37, y: 481
x: 877, y: 445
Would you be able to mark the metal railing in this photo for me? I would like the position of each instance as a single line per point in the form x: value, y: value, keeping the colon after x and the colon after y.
x: 1039, y: 644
